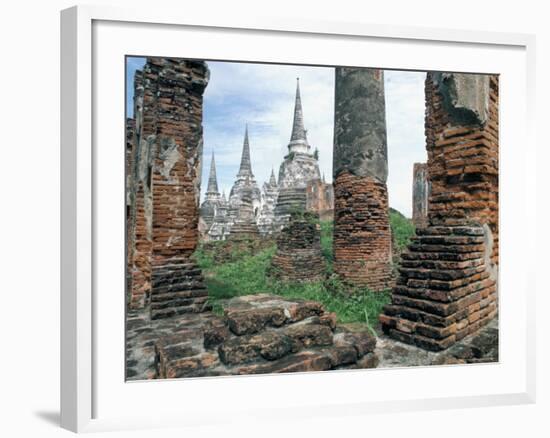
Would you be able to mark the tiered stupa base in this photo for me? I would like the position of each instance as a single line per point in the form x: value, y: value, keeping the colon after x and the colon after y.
x: 290, y: 200
x: 446, y: 289
x: 298, y: 256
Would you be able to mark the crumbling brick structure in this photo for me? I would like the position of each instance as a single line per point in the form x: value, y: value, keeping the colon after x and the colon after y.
x: 262, y: 334
x: 420, y: 194
x: 168, y: 109
x: 362, y: 235
x: 447, y: 287
x: 298, y: 256
x: 130, y: 156
x: 140, y: 221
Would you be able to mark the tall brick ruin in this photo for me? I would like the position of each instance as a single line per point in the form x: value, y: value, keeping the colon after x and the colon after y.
x: 420, y: 194
x: 140, y: 220
x: 447, y: 288
x: 167, y: 170
x: 362, y: 235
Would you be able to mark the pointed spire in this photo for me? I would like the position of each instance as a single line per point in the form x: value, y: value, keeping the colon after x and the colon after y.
x: 272, y: 180
x: 212, y: 179
x: 298, y: 138
x: 246, y: 168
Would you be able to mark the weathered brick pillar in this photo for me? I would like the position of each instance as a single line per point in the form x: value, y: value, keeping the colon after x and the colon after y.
x: 140, y: 223
x: 447, y: 288
x: 129, y: 157
x: 421, y: 190
x: 362, y: 235
x: 177, y: 283
x: 462, y: 144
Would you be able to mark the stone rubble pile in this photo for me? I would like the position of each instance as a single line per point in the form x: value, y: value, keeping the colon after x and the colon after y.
x: 264, y: 334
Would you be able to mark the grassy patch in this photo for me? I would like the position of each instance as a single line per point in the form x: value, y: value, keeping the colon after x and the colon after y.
x: 248, y: 276
x: 402, y: 228
x: 327, y: 230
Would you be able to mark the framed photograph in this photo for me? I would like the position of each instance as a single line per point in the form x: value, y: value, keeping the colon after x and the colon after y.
x: 291, y: 218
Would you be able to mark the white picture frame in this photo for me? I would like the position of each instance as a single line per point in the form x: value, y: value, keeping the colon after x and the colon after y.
x: 87, y: 403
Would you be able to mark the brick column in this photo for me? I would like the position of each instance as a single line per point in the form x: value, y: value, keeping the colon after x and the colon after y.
x: 140, y: 223
x: 177, y: 283
x: 447, y: 285
x: 362, y: 235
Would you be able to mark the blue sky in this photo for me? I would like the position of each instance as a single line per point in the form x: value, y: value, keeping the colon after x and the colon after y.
x: 262, y: 95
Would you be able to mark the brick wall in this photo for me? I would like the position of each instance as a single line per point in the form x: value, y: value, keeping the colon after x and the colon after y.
x: 462, y: 160
x: 362, y: 235
x: 141, y: 207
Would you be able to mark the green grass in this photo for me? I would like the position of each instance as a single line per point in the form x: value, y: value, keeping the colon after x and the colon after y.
x: 327, y: 228
x: 402, y: 228
x: 247, y: 274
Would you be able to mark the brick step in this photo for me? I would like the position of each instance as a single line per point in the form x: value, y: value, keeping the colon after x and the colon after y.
x: 446, y: 248
x: 178, y: 287
x: 174, y: 311
x: 447, y: 285
x: 178, y: 302
x: 191, y: 271
x: 441, y: 264
x: 440, y: 274
x: 450, y: 230
x: 177, y: 278
x: 436, y: 307
x: 487, y: 285
x: 447, y: 240
x: 187, y: 293
x: 441, y: 256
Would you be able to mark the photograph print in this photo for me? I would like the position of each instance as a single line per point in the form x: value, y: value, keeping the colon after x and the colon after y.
x: 294, y: 218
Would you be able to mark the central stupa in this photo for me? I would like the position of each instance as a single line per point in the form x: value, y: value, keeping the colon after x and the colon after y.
x: 298, y: 168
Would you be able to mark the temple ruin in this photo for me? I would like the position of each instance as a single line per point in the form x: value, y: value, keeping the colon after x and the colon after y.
x: 447, y: 283
x: 362, y: 235
x: 299, y: 168
x: 447, y: 288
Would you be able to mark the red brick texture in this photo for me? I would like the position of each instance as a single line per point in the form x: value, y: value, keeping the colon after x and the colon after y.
x: 298, y: 257
x: 166, y: 201
x: 362, y: 235
x: 463, y: 165
x: 140, y: 236
x: 447, y: 287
